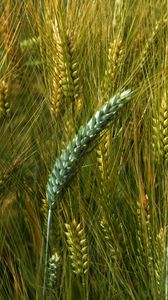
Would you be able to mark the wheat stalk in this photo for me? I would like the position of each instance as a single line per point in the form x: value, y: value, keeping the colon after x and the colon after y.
x: 66, y: 165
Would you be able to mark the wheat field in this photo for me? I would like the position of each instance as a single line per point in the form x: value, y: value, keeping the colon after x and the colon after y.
x: 83, y: 150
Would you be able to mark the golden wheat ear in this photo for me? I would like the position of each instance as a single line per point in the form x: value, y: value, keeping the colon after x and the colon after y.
x: 159, y: 25
x: 4, y: 100
x: 77, y: 245
x: 63, y: 78
x: 114, y: 63
x: 160, y: 133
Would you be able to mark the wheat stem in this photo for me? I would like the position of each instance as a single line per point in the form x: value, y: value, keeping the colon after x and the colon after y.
x: 46, y: 252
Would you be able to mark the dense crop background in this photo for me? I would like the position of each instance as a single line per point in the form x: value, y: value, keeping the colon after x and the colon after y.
x: 60, y: 62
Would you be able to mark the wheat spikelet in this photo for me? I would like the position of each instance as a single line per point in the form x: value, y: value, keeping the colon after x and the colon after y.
x: 53, y: 270
x: 4, y: 99
x: 160, y: 133
x: 66, y: 165
x: 78, y: 248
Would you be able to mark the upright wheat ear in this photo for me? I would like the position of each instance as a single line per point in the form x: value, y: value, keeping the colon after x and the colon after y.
x: 160, y: 133
x: 65, y: 82
x: 70, y: 158
x: 77, y: 245
x: 4, y: 104
x: 114, y: 59
x: 159, y: 24
x: 159, y: 258
x: 53, y: 270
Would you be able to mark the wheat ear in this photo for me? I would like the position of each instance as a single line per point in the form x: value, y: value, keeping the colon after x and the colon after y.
x: 109, y: 240
x: 159, y: 259
x: 65, y: 84
x: 66, y: 165
x: 160, y: 133
x: 53, y: 267
x: 78, y: 248
x: 159, y: 24
x: 114, y: 63
x: 4, y: 104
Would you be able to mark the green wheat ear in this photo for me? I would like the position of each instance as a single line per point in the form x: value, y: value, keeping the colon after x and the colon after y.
x: 66, y: 165
x: 159, y: 258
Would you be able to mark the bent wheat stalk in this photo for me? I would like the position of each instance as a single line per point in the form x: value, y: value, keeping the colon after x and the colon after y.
x: 66, y: 165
